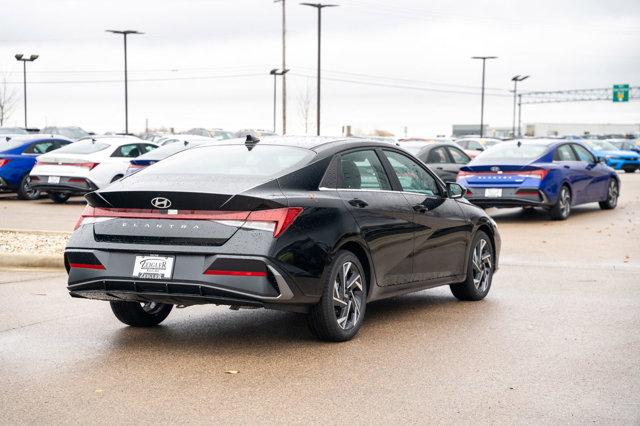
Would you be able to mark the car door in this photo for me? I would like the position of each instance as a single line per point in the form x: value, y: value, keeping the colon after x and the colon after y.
x: 383, y: 215
x: 442, y: 231
x: 597, y: 188
x: 440, y: 162
x: 573, y: 171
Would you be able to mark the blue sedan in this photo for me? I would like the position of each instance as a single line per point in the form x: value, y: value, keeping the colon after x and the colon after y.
x: 614, y: 156
x: 18, y: 156
x: 551, y: 174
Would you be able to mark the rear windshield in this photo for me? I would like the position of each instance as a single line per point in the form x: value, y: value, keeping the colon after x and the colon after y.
x: 167, y: 150
x: 511, y: 152
x: 235, y: 160
x: 601, y: 145
x: 82, y: 147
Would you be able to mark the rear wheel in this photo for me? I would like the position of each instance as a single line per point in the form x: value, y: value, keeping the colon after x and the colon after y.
x: 25, y: 191
x: 562, y: 209
x: 479, y: 272
x: 141, y: 314
x: 612, y: 196
x: 339, y: 314
x: 59, y: 197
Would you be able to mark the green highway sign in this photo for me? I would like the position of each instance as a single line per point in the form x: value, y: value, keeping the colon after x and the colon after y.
x: 620, y: 93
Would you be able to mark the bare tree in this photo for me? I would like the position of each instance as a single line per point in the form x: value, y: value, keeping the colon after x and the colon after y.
x: 8, y: 100
x: 304, y: 106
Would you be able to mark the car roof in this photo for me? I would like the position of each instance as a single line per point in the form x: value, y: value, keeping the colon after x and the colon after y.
x: 33, y: 137
x: 115, y: 139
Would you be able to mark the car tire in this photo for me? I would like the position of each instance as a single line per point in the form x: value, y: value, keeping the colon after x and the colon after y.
x: 629, y: 169
x: 613, y: 192
x: 562, y: 208
x: 141, y: 314
x: 340, y: 312
x: 480, y: 268
x: 116, y: 178
x: 59, y: 197
x: 25, y: 191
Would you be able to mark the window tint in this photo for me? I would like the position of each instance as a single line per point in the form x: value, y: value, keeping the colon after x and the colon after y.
x: 564, y: 153
x: 512, y: 152
x: 584, y: 154
x: 145, y: 147
x: 475, y: 145
x: 128, y: 151
x: 438, y: 155
x: 41, y: 147
x: 412, y: 177
x: 458, y: 156
x: 363, y: 170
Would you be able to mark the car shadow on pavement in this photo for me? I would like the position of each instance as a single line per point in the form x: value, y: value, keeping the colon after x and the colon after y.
x: 518, y: 215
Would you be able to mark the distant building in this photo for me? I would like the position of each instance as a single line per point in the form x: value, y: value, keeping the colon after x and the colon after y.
x: 573, y: 129
x: 459, y: 130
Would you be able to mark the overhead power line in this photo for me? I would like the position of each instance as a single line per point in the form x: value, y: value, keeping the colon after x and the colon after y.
x: 576, y: 95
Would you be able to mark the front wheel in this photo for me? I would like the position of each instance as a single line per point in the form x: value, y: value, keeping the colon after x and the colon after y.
x: 612, y: 196
x: 339, y: 314
x: 629, y: 169
x: 26, y: 191
x: 479, y: 271
x: 141, y: 314
x: 59, y: 197
x: 562, y: 209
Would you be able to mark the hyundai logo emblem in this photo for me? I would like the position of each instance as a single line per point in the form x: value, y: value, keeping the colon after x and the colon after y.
x: 495, y: 169
x: 161, y: 203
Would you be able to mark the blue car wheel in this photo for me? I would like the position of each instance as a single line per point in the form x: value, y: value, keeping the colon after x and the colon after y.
x: 25, y: 191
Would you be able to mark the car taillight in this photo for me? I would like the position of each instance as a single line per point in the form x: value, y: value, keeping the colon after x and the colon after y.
x: 539, y: 173
x: 462, y: 173
x: 272, y: 220
x: 89, y: 165
x: 3, y: 161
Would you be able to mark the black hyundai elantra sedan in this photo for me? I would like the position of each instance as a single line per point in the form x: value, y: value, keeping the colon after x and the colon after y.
x: 312, y: 225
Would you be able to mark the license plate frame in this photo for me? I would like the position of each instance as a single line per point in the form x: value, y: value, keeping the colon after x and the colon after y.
x: 493, y: 192
x: 53, y: 179
x: 153, y: 267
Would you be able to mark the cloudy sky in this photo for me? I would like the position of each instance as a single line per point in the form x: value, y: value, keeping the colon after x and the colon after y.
x: 388, y: 64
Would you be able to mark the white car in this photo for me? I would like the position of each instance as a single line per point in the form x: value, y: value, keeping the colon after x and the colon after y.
x: 86, y: 165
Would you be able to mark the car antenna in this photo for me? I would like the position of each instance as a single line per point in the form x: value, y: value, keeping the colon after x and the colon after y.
x: 8, y: 138
x: 519, y: 144
x: 186, y: 143
x: 251, y: 142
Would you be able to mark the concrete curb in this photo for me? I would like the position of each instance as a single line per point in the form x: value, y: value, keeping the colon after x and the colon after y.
x: 12, y: 260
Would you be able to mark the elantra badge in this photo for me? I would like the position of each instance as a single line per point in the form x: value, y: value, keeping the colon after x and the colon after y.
x: 161, y: 203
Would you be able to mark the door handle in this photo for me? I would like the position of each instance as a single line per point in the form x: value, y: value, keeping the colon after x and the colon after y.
x: 439, y: 168
x: 566, y: 167
x: 420, y: 208
x: 356, y: 202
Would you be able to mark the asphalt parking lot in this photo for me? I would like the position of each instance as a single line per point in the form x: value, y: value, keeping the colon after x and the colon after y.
x: 556, y: 341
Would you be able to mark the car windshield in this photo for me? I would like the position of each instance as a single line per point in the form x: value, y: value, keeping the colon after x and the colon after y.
x: 12, y: 131
x: 235, y: 160
x: 83, y: 147
x: 514, y: 152
x: 601, y: 145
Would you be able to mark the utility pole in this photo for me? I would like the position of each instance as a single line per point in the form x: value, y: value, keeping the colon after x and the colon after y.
x: 125, y: 33
x: 20, y: 57
x: 284, y: 66
x: 484, y: 60
x: 515, y: 80
x: 319, y: 6
x: 275, y: 73
x: 519, y: 114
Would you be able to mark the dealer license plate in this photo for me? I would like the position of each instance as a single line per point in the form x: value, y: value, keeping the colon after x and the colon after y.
x: 493, y: 192
x: 153, y: 267
x: 54, y: 179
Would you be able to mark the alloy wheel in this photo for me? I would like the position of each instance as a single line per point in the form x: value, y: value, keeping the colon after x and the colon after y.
x: 482, y: 265
x: 151, y: 307
x: 348, y: 296
x: 28, y: 189
x: 612, y: 196
x: 565, y: 202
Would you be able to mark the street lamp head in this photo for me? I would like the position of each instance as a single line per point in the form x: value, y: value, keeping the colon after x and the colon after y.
x: 525, y: 77
x: 19, y: 56
x: 516, y: 78
x: 319, y: 5
x: 484, y: 57
x: 273, y: 71
x: 34, y: 57
x: 124, y: 32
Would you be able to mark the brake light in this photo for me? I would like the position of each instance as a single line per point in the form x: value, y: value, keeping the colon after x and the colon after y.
x: 272, y: 220
x: 3, y: 161
x: 88, y: 165
x: 235, y: 273
x: 462, y: 173
x: 537, y: 173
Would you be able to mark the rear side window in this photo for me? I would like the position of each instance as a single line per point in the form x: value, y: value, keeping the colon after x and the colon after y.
x: 42, y: 147
x: 458, y: 156
x: 564, y: 153
x: 238, y: 161
x: 438, y: 155
x: 127, y: 151
x: 363, y: 170
x: 83, y: 147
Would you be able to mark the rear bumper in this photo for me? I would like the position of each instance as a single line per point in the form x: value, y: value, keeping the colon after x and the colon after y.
x: 512, y: 197
x: 67, y: 184
x: 109, y: 277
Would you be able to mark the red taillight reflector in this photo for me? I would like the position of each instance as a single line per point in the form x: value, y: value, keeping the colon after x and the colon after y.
x: 3, y: 161
x: 236, y: 273
x: 85, y: 266
x: 538, y: 173
x: 283, y: 218
x: 77, y: 180
x: 87, y: 165
x: 527, y: 192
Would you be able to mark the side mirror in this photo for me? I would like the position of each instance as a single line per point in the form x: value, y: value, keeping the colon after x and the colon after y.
x: 455, y: 190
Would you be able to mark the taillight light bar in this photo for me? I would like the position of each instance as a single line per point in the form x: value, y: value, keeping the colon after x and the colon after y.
x: 88, y: 165
x: 273, y: 220
x: 3, y: 161
x: 86, y: 266
x: 235, y: 273
x: 537, y: 173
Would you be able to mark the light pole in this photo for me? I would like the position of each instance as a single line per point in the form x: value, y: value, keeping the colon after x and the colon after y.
x: 125, y: 33
x: 20, y: 57
x: 519, y: 114
x: 275, y: 73
x: 319, y: 6
x: 515, y: 80
x: 484, y: 60
x: 284, y: 65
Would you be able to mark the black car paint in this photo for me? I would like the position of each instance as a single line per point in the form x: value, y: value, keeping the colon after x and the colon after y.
x: 402, y: 249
